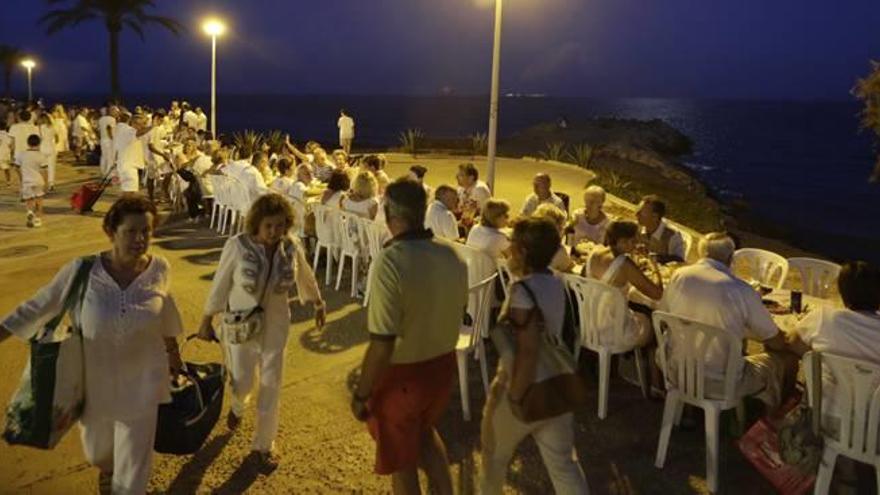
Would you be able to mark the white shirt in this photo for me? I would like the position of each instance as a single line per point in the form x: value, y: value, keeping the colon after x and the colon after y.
x: 479, y: 192
x: 676, y: 242
x: 254, y: 182
x: 5, y: 147
x: 200, y: 167
x: 283, y: 186
x: 103, y: 123
x: 31, y: 163
x: 126, y: 365
x: 129, y: 149
x: 323, y: 171
x: 236, y: 168
x: 709, y: 293
x: 47, y: 140
x: 20, y: 133
x: 532, y: 203
x: 584, y: 230
x: 441, y: 221
x: 190, y: 119
x: 346, y: 127
x: 489, y: 240
x: 81, y: 126
x: 201, y: 122
x: 360, y: 208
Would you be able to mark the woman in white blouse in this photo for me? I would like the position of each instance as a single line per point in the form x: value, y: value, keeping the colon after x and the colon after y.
x: 259, y: 268
x: 337, y: 186
x: 129, y: 322
x: 589, y: 223
x: 362, y: 200
x: 487, y: 236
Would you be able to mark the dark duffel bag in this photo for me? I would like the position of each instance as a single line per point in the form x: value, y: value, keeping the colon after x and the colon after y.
x: 196, y: 400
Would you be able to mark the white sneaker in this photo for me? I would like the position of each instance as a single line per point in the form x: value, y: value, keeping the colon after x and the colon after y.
x: 38, y: 222
x: 30, y: 219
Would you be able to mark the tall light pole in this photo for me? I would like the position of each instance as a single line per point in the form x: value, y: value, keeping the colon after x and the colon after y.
x: 29, y: 64
x: 493, y: 98
x: 214, y: 28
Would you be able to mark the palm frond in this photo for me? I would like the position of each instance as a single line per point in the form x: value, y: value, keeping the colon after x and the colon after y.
x: 166, y: 22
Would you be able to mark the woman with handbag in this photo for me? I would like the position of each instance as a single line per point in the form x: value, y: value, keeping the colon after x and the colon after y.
x: 129, y: 322
x: 535, y: 310
x: 257, y: 270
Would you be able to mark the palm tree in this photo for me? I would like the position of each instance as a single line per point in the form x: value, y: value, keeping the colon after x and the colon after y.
x: 116, y: 15
x: 9, y: 58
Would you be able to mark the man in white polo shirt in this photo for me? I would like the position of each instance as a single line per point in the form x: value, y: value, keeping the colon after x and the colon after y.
x: 130, y: 156
x: 440, y: 217
x: 106, y: 124
x: 708, y: 292
x: 543, y: 193
x: 346, y: 131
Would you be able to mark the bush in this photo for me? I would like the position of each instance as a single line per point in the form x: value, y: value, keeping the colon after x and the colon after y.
x: 247, y: 142
x: 480, y: 143
x: 411, y: 141
x: 554, y: 151
x: 582, y: 155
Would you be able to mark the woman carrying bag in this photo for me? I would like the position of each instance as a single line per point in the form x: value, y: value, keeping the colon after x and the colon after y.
x: 535, y: 310
x: 257, y: 270
x: 129, y: 322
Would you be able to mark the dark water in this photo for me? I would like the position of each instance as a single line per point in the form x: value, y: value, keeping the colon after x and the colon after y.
x: 800, y: 165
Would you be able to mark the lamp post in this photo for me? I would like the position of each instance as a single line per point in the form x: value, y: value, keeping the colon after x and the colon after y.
x: 29, y: 64
x: 493, y: 98
x: 214, y: 28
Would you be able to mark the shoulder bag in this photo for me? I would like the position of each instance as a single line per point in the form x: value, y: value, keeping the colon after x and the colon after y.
x: 238, y: 327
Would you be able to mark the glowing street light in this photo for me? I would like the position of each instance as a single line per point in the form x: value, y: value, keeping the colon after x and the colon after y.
x: 214, y: 28
x: 29, y: 64
x: 492, y: 147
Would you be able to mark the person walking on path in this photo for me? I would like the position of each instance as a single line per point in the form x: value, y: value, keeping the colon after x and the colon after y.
x: 419, y: 291
x: 129, y: 322
x: 257, y: 270
x: 346, y: 131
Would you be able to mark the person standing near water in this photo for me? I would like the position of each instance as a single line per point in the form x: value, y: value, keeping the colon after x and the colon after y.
x: 346, y: 131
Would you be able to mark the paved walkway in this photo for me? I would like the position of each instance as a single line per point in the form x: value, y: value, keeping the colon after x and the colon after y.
x: 323, y: 450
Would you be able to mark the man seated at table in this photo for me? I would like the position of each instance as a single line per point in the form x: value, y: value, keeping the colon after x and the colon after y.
x: 541, y: 185
x: 657, y: 235
x: 709, y: 293
x: 472, y: 192
x: 440, y: 217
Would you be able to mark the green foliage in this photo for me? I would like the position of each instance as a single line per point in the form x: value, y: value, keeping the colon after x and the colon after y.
x: 582, y: 154
x: 248, y: 142
x: 411, y: 141
x: 867, y: 90
x: 275, y: 139
x: 554, y: 151
x: 480, y: 143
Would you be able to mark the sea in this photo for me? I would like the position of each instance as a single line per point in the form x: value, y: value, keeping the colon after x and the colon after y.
x: 801, y: 167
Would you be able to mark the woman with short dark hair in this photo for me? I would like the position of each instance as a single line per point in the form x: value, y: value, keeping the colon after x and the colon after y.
x: 337, y: 186
x: 257, y: 270
x: 129, y: 322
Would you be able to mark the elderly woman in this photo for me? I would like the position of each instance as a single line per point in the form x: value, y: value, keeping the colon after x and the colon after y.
x: 363, y: 200
x: 487, y: 236
x: 128, y: 320
x: 613, y: 265
x: 536, y: 304
x: 257, y: 270
x: 61, y: 123
x: 562, y: 262
x: 589, y: 223
x: 337, y: 186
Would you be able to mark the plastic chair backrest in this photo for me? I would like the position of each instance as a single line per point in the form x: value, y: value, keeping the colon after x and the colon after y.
x: 766, y: 267
x: 688, y: 243
x: 327, y: 224
x: 217, y: 184
x: 818, y: 277
x: 602, y: 312
x: 856, y: 395
x: 504, y: 275
x: 299, y: 216
x: 683, y: 345
x: 482, y: 295
x: 375, y: 234
x: 480, y: 265
x: 349, y: 230
x: 239, y: 198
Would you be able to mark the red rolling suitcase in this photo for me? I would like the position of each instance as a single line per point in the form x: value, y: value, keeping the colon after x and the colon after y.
x: 87, y: 195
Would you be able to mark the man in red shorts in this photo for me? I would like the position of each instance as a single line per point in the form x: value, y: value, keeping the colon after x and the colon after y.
x: 418, y: 295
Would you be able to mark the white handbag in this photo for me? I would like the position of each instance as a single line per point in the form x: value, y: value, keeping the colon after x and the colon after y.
x: 238, y: 327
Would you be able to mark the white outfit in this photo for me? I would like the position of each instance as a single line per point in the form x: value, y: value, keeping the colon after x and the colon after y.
x: 20, y: 133
x: 843, y: 332
x: 240, y: 279
x: 129, y: 151
x: 346, y: 127
x: 502, y: 431
x: 335, y: 200
x: 200, y: 168
x: 5, y: 150
x: 709, y: 293
x: 201, y: 122
x: 586, y: 231
x: 478, y: 192
x: 489, y: 240
x: 323, y: 171
x: 190, y: 119
x: 253, y: 181
x: 31, y: 164
x: 48, y: 148
x: 126, y: 365
x: 107, y: 151
x: 532, y: 203
x: 634, y: 327
x: 441, y: 221
x: 360, y: 208
x: 60, y: 125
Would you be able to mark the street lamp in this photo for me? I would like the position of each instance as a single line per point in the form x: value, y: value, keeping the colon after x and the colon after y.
x: 493, y: 98
x: 29, y: 64
x: 214, y: 28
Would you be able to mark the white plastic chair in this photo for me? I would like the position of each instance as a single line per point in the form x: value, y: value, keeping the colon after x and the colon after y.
x: 766, y: 267
x: 375, y: 233
x: 688, y: 241
x: 350, y: 242
x: 817, y: 276
x: 683, y: 345
x: 240, y: 203
x: 326, y: 228
x: 602, y: 312
x: 480, y: 267
x: 504, y: 275
x: 856, y: 395
x: 218, y: 207
x: 471, y: 341
x: 299, y: 216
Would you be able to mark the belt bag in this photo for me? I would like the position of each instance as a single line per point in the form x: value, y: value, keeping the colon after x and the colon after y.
x: 239, y: 327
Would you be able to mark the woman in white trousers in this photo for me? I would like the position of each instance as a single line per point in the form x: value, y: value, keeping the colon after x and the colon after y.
x: 129, y: 322
x: 259, y: 268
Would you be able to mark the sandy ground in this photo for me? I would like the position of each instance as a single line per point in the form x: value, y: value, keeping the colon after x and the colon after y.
x: 322, y: 449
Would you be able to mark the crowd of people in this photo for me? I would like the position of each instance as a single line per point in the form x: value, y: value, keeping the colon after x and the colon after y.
x: 419, y: 284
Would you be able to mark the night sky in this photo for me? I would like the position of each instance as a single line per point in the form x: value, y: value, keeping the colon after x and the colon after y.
x: 792, y: 49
